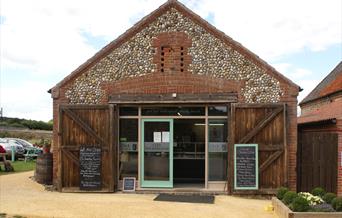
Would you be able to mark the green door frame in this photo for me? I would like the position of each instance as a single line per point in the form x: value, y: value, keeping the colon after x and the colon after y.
x: 155, y: 183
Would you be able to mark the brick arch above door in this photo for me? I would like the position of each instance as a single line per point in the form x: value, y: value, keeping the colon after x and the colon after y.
x: 160, y: 83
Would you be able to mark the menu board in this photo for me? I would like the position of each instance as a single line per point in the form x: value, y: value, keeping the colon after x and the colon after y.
x: 246, y: 166
x: 90, y: 168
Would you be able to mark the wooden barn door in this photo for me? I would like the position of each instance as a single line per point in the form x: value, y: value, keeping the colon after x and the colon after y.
x: 317, y: 161
x: 265, y: 125
x: 86, y: 125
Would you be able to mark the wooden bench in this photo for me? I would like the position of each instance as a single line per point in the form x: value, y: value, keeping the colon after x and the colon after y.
x: 30, y: 154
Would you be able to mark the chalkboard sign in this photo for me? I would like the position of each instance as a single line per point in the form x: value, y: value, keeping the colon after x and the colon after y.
x: 246, y: 166
x: 128, y: 184
x: 90, y: 168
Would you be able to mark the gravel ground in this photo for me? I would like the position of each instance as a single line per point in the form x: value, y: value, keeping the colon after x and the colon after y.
x: 19, y: 195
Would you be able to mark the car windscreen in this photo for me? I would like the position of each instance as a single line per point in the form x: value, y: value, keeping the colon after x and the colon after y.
x: 25, y: 144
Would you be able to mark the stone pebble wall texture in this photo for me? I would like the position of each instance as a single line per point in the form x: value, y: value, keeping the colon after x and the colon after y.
x: 210, y: 56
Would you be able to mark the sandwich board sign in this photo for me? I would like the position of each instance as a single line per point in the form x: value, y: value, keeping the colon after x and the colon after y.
x: 128, y: 184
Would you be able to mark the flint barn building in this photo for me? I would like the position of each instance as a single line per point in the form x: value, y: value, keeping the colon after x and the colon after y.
x: 175, y: 104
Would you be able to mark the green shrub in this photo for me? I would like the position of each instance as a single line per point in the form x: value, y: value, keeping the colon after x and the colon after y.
x: 337, y: 204
x: 31, y: 124
x: 300, y: 204
x: 328, y: 197
x: 318, y: 192
x: 281, y: 192
x: 289, y: 196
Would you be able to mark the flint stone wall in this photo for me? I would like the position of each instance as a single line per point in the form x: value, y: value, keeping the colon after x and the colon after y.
x: 210, y: 56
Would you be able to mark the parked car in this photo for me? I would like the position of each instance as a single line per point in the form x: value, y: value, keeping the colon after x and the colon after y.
x: 27, y: 145
x: 8, y: 144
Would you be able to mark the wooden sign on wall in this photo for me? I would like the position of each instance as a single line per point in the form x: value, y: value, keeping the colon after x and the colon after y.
x: 246, y: 167
x: 90, y: 168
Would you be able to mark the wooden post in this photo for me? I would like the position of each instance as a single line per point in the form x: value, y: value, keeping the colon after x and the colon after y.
x: 59, y: 150
x: 286, y: 170
x: 110, y: 146
x: 229, y: 139
x: 231, y: 149
x: 115, y: 140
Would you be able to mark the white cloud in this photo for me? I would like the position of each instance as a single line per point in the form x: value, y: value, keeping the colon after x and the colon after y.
x: 302, y: 77
x: 46, y: 38
x: 273, y: 28
x: 27, y: 99
x: 292, y: 72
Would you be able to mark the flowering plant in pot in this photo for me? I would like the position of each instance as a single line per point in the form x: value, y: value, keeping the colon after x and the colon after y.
x: 46, y: 147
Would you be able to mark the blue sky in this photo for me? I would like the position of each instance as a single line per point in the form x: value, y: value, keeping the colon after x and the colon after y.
x: 43, y: 41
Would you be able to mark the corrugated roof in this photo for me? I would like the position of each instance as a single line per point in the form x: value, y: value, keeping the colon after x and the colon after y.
x: 330, y: 84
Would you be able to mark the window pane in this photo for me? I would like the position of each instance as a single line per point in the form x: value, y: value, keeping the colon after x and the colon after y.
x: 173, y: 111
x: 217, y: 111
x: 128, y: 111
x: 128, y: 166
x: 217, y: 149
x: 189, y: 151
x: 156, y: 151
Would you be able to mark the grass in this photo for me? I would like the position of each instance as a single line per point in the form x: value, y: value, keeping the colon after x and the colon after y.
x: 20, y: 166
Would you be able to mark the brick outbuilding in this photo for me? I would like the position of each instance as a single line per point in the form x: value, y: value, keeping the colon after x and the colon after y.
x: 320, y: 135
x: 176, y: 105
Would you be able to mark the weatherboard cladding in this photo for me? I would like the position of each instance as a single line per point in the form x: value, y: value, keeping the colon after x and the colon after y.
x: 209, y: 56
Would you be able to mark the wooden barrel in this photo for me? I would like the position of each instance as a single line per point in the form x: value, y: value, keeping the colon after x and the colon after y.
x: 43, y: 172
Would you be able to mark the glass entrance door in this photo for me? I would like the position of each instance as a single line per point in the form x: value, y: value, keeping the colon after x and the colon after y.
x: 157, y: 153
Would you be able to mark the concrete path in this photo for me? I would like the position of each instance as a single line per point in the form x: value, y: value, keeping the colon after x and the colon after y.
x: 19, y: 195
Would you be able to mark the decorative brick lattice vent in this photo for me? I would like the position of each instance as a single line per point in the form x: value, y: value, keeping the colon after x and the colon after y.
x: 171, y: 52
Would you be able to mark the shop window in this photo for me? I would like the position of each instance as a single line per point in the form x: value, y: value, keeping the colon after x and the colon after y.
x: 217, y: 149
x: 217, y: 110
x: 189, y: 151
x: 128, y: 111
x: 128, y: 148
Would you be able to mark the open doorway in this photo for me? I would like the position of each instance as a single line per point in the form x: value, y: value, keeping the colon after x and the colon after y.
x: 189, y: 153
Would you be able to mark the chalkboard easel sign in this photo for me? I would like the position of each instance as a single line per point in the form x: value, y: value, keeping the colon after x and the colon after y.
x: 129, y: 184
x: 90, y: 168
x: 246, y: 173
